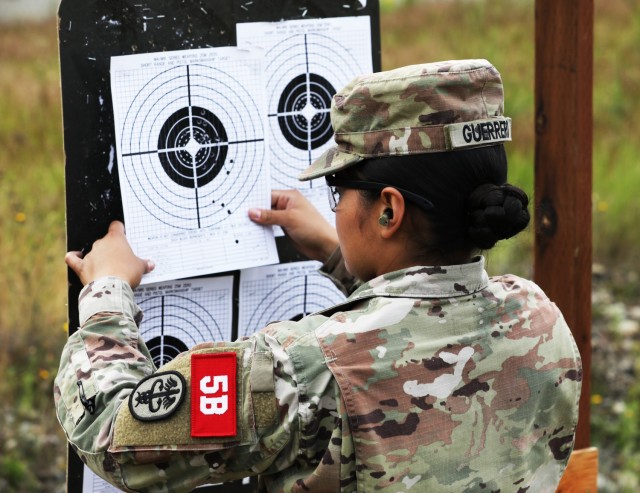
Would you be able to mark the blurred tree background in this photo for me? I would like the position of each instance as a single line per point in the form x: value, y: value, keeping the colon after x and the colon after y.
x: 32, y: 226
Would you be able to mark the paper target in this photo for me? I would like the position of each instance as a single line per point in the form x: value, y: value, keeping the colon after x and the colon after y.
x: 303, y: 74
x: 283, y: 292
x: 178, y: 315
x: 191, y: 142
x: 306, y: 62
x: 191, y: 147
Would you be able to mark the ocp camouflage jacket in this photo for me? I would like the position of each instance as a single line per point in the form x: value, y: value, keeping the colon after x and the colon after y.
x: 429, y: 379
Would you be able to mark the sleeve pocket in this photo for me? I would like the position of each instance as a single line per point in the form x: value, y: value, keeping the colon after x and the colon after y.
x: 77, y: 389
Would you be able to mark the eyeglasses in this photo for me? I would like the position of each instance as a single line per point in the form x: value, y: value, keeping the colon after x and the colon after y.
x: 335, y: 183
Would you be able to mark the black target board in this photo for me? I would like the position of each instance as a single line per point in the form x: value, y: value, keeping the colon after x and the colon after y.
x: 194, y: 145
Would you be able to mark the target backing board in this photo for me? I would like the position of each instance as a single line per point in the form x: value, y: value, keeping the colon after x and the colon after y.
x: 192, y: 147
x: 91, y: 33
x: 283, y: 292
x: 306, y: 62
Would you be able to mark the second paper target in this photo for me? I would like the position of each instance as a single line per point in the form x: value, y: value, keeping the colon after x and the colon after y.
x: 306, y: 63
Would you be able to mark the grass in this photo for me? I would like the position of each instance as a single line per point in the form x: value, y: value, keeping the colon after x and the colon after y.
x: 502, y: 32
x: 32, y: 301
x: 33, y: 298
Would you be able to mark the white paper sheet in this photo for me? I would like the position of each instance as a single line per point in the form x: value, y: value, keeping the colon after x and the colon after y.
x: 306, y: 62
x: 180, y: 314
x: 283, y: 292
x: 192, y: 149
x: 91, y: 483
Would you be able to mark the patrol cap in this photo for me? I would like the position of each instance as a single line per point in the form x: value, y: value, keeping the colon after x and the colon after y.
x: 432, y: 107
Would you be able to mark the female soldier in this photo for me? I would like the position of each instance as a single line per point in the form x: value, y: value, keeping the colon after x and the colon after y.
x: 430, y: 377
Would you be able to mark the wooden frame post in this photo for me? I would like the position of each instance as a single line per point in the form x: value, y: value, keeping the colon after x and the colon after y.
x: 563, y: 170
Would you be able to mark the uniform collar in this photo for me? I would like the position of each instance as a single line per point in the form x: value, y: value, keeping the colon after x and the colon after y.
x: 445, y: 281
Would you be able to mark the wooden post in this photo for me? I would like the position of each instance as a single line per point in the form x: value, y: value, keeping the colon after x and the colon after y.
x: 581, y: 475
x: 563, y: 174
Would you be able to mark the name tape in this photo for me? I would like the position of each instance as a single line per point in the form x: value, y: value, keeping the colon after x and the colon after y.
x: 478, y: 132
x: 213, y: 395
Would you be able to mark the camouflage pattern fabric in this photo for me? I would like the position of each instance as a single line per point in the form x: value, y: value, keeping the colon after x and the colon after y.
x: 431, y: 379
x: 413, y: 110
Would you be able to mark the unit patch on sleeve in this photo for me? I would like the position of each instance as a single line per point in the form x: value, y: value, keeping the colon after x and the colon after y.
x: 157, y: 396
x: 213, y: 395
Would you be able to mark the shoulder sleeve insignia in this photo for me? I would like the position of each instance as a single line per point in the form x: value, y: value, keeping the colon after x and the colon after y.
x: 157, y: 396
x: 213, y: 395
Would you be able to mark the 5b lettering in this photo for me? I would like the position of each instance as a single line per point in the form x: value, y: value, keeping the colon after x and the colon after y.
x: 214, y: 405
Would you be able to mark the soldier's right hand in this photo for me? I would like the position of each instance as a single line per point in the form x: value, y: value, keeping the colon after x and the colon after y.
x: 110, y: 256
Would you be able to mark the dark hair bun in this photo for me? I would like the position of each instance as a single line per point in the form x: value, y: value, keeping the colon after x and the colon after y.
x: 496, y: 212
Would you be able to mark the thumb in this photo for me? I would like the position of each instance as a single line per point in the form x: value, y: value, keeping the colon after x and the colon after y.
x: 116, y: 227
x: 267, y: 216
x: 74, y: 261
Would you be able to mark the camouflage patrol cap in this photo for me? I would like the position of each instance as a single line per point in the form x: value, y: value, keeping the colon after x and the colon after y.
x: 432, y: 107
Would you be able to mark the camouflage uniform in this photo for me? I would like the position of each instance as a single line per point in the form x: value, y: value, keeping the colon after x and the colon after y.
x: 433, y: 379
x: 425, y: 379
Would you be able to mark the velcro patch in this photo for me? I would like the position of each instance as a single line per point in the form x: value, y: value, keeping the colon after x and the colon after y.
x: 157, y: 396
x: 478, y: 132
x: 213, y: 395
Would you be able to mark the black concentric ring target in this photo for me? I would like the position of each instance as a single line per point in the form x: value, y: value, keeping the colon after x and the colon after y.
x: 192, y: 146
x: 175, y: 323
x: 303, y: 111
x: 303, y: 72
x: 165, y: 348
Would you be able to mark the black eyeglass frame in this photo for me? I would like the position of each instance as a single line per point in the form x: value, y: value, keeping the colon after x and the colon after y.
x: 333, y: 182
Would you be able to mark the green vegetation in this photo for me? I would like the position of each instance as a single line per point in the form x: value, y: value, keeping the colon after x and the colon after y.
x: 501, y: 31
x: 33, y: 298
x: 32, y: 301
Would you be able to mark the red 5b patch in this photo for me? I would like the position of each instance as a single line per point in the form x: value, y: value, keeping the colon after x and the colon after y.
x: 213, y: 395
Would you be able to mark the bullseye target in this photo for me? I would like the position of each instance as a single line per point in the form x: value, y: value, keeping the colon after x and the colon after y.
x: 304, y: 68
x: 164, y: 348
x: 191, y: 145
x: 285, y: 292
x: 177, y: 316
x: 302, y: 111
x: 303, y: 73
